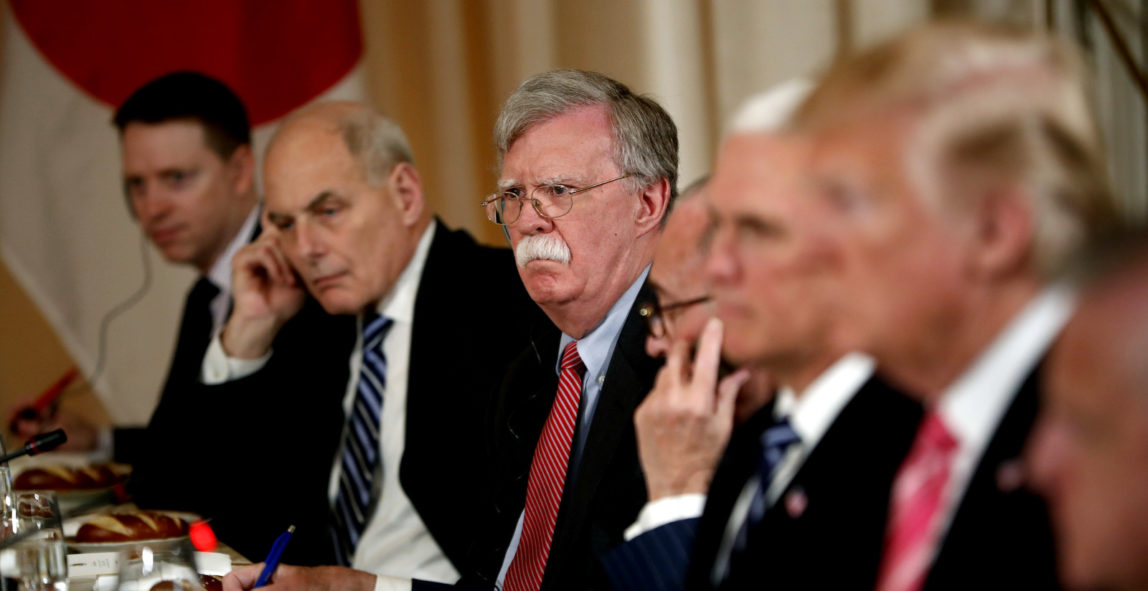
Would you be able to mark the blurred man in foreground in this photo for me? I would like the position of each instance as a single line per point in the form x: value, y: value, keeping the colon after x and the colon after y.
x: 793, y: 489
x: 682, y: 304
x: 960, y: 164
x: 1090, y: 452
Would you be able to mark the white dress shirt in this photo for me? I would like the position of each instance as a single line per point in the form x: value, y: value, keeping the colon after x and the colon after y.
x: 395, y: 541
x: 596, y: 350
x: 972, y: 406
x: 220, y: 272
x: 810, y: 415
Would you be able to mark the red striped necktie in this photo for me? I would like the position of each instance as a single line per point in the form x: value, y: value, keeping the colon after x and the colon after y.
x: 914, y: 517
x: 547, y: 476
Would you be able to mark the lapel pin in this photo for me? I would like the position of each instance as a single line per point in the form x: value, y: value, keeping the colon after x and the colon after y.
x: 1010, y: 476
x: 795, y: 503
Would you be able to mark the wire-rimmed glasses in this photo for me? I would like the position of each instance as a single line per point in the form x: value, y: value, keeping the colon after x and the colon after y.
x: 550, y: 200
x: 658, y: 316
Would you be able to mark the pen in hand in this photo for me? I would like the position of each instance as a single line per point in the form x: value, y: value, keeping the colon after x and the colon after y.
x: 273, y: 557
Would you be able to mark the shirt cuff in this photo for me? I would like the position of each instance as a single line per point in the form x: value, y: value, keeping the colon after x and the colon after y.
x: 665, y: 510
x: 218, y: 368
x: 385, y: 583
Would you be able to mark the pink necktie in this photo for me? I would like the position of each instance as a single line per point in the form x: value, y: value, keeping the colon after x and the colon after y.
x: 914, y: 517
x: 547, y: 476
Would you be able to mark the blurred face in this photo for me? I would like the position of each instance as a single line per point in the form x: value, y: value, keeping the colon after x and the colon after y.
x: 1089, y: 455
x: 574, y: 149
x: 186, y: 198
x: 346, y: 239
x: 902, y: 270
x: 678, y: 276
x: 772, y: 272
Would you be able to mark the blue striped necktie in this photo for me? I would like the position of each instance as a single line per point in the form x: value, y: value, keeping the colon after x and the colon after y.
x: 360, y: 458
x: 775, y: 442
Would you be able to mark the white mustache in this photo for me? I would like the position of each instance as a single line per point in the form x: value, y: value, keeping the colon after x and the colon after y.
x: 548, y: 247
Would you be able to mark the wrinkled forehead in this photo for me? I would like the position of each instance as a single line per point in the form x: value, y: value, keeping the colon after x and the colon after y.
x: 761, y: 169
x: 563, y: 148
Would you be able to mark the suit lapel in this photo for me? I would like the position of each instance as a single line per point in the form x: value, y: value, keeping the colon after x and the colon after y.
x: 999, y: 523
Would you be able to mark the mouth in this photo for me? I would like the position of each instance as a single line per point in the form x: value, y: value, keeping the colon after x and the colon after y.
x: 163, y: 236
x: 327, y: 281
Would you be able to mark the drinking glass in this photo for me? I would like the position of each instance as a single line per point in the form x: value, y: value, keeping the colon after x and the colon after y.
x: 40, y: 554
x: 166, y: 567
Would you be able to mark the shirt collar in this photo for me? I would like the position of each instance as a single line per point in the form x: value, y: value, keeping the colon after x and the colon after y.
x: 220, y: 272
x: 399, y: 303
x: 821, y: 402
x: 597, y: 347
x: 973, y: 405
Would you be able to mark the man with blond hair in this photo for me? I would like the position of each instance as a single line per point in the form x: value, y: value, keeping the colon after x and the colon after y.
x: 959, y: 164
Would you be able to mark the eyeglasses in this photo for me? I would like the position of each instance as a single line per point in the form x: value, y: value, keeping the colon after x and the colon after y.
x: 658, y: 316
x: 550, y: 200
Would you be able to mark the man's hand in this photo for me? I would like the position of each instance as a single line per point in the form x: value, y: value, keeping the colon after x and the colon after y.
x: 267, y: 294
x: 684, y: 424
x: 289, y: 578
x: 27, y: 423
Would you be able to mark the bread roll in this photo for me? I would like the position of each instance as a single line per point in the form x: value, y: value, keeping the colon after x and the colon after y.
x: 56, y: 477
x: 131, y: 527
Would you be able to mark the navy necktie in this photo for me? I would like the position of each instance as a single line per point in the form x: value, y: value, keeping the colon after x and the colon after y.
x: 360, y: 458
x: 775, y: 442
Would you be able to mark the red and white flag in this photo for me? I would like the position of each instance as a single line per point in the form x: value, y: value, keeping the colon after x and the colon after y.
x: 65, y: 231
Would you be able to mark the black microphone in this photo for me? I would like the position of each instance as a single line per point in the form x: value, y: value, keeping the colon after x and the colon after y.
x: 38, y: 444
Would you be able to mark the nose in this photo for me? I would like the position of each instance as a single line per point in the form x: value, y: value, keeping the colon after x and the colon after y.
x: 308, y: 243
x: 150, y: 204
x: 530, y: 221
x: 657, y: 346
x: 721, y: 264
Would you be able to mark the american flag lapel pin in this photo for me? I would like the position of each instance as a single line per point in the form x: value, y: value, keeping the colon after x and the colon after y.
x: 795, y: 503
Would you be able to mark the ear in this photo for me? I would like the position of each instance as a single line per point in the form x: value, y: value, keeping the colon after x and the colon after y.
x: 652, y: 204
x: 242, y: 164
x: 406, y: 191
x: 1003, y: 231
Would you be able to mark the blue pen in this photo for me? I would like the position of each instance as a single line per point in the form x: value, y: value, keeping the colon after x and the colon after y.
x: 273, y: 557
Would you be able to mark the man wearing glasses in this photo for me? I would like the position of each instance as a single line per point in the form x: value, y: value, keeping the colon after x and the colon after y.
x: 681, y: 304
x: 587, y: 171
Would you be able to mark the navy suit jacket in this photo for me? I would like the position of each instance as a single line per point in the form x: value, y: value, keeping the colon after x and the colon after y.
x: 824, y: 532
x: 603, y: 496
x: 1000, y: 537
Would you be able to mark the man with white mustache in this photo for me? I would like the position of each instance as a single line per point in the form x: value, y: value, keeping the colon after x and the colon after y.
x: 542, y: 247
x: 588, y: 169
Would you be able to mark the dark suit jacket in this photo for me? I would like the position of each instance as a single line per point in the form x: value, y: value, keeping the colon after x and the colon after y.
x: 459, y: 348
x: 1000, y: 538
x: 833, y: 542
x: 602, y: 497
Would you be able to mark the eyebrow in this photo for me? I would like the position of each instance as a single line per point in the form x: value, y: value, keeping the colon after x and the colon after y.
x: 319, y: 199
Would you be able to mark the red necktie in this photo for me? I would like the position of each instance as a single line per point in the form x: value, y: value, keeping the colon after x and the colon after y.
x: 547, y: 476
x: 914, y: 518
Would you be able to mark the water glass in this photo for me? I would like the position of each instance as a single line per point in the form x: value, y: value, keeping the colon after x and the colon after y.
x: 169, y: 566
x: 41, y: 554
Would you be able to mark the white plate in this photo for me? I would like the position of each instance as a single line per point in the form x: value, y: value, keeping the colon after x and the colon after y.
x: 84, y: 548
x: 71, y: 526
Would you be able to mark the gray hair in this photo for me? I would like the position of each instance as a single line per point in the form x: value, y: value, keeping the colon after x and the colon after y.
x: 645, y: 137
x: 376, y: 141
